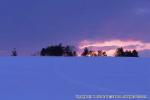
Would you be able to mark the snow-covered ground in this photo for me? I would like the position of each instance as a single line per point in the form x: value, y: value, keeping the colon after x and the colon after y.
x: 61, y: 78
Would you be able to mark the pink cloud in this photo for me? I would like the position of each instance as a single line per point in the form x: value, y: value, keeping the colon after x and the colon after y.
x: 104, y: 45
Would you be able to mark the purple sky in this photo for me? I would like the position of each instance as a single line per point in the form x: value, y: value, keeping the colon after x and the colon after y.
x: 29, y: 25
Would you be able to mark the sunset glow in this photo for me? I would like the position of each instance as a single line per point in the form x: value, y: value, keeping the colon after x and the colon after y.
x: 111, y: 45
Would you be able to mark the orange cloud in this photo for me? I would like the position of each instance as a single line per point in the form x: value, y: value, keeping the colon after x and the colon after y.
x: 129, y: 45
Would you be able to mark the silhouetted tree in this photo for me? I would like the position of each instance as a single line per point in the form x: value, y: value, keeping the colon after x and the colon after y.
x: 104, y: 53
x: 92, y: 53
x: 58, y: 50
x: 101, y: 53
x: 14, y: 52
x: 135, y: 53
x: 119, y: 52
x: 43, y: 52
x: 128, y: 53
x: 69, y: 51
x: 74, y: 53
x: 85, y: 52
x: 54, y: 50
x: 88, y: 52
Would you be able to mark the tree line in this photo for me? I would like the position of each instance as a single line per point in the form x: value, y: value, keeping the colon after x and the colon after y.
x: 60, y: 50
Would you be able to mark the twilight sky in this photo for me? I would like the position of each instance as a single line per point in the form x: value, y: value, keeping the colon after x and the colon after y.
x: 29, y: 25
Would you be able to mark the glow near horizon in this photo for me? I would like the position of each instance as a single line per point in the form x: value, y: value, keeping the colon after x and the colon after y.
x: 127, y: 45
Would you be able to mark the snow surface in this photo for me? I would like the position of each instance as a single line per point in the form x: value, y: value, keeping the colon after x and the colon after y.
x: 61, y: 78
